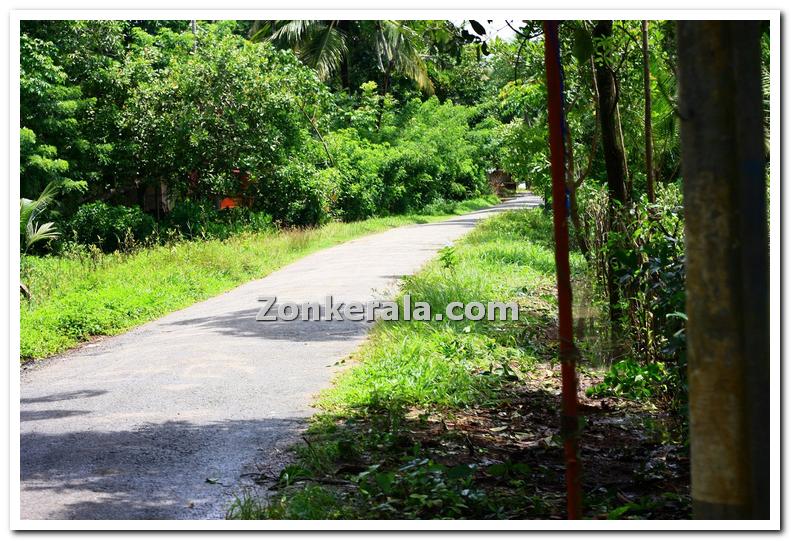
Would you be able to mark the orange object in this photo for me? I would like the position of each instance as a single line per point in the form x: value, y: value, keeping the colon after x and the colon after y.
x: 228, y: 203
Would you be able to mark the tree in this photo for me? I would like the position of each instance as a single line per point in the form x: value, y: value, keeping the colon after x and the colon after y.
x: 229, y: 105
x: 727, y: 263
x: 612, y: 142
x: 649, y: 145
x: 50, y: 133
x: 324, y: 46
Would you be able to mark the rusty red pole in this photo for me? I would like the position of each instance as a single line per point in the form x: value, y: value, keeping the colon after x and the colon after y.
x: 569, y: 422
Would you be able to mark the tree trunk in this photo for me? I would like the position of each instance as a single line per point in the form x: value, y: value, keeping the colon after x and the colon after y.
x: 612, y: 146
x: 727, y: 267
x: 649, y: 143
x: 571, y: 186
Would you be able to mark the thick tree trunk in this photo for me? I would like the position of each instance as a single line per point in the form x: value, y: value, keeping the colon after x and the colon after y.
x: 649, y: 143
x: 727, y: 267
x: 612, y: 146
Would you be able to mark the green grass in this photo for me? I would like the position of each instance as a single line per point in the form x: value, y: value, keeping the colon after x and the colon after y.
x: 411, y: 370
x: 91, y: 294
x: 417, y: 363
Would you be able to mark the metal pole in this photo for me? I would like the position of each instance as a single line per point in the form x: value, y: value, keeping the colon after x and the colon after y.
x: 569, y: 420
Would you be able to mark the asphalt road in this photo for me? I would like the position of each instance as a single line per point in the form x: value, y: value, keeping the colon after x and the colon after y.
x: 172, y: 419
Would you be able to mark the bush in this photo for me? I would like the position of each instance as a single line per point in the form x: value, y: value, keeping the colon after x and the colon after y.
x: 194, y: 219
x: 410, y: 179
x: 356, y: 178
x: 111, y: 227
x: 226, y: 104
x: 428, y: 152
x: 296, y: 195
x: 630, y: 379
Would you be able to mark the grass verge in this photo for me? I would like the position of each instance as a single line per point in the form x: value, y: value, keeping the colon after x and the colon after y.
x: 93, y: 294
x: 460, y: 419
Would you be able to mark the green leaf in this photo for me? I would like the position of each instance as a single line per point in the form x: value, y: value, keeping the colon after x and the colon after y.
x: 385, y: 481
x: 478, y: 27
x: 462, y: 471
x: 497, y: 470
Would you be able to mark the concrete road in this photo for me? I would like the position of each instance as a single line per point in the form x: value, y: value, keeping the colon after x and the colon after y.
x: 172, y: 419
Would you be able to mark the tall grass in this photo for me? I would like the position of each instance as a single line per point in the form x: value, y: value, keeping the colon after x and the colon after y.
x: 90, y: 294
x: 456, y: 363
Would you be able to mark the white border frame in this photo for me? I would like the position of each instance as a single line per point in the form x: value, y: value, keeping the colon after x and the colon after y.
x: 775, y: 305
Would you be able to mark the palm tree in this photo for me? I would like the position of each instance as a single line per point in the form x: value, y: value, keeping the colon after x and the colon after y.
x: 324, y: 45
x: 30, y: 210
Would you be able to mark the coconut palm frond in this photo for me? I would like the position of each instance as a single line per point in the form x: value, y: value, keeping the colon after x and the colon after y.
x: 35, y: 233
x: 319, y: 44
x: 324, y: 49
x: 399, y: 47
x: 260, y: 31
x: 323, y: 46
x: 30, y: 210
x: 292, y: 33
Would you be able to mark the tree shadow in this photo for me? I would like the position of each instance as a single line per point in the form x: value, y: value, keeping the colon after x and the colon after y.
x: 172, y: 470
x: 41, y: 415
x: 87, y: 393
x: 243, y: 323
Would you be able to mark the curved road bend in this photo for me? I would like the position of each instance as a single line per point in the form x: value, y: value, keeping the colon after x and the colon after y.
x: 172, y: 419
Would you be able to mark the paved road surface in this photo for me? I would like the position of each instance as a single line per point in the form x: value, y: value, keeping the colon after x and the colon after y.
x: 131, y: 427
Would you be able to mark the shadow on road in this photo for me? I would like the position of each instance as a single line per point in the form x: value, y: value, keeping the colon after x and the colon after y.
x: 58, y: 397
x: 243, y: 323
x: 141, y: 474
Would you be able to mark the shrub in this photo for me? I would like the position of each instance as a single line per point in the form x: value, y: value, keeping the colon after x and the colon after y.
x: 630, y: 379
x: 427, y: 152
x: 110, y: 227
x: 194, y: 219
x: 295, y: 195
x: 356, y: 178
x: 410, y: 178
x: 227, y: 104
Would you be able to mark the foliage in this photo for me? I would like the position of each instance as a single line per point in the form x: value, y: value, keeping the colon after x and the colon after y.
x: 428, y: 153
x: 111, y: 108
x: 30, y: 210
x: 110, y: 227
x: 324, y: 46
x: 630, y: 379
x: 192, y: 219
x: 229, y: 106
x: 49, y: 112
x: 647, y: 253
x: 295, y: 195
